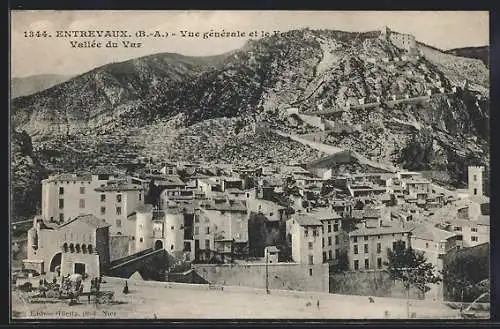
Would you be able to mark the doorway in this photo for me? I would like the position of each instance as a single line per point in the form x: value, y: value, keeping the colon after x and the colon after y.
x: 55, y: 262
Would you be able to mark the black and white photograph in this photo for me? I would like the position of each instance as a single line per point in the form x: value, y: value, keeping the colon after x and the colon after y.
x: 316, y: 165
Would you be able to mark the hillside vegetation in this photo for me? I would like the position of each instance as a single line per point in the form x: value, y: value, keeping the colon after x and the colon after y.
x: 211, y: 108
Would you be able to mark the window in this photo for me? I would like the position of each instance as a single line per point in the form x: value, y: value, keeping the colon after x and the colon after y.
x: 330, y: 255
x: 475, y: 191
x: 196, y: 230
x: 171, y: 247
x: 475, y: 178
x: 118, y: 198
x: 379, y: 262
x: 458, y: 228
x: 311, y: 259
x: 473, y: 229
x: 310, y: 272
x: 366, y: 237
x: 379, y: 247
x: 329, y: 240
x: 336, y: 239
x: 196, y: 218
x: 82, y: 189
x: 207, y: 230
x: 171, y: 228
x: 337, y: 253
x: 103, y: 197
x: 315, y: 232
x: 118, y: 210
x: 323, y: 242
x: 140, y: 196
x: 141, y: 239
x: 356, y: 265
x: 427, y: 244
x: 61, y: 217
x: 207, y: 244
x: 329, y: 228
x: 378, y: 237
x: 336, y: 227
x: 367, y: 264
x: 103, y: 210
x: 82, y: 203
x: 187, y: 246
x: 366, y: 248
x: 306, y: 231
x: 61, y: 203
x: 61, y: 190
x: 355, y: 239
x: 393, y: 245
x: 324, y: 256
x: 474, y: 239
x: 118, y: 223
x: 355, y: 249
x: 310, y: 245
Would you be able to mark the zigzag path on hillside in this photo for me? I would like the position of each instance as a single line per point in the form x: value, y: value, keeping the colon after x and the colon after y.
x: 329, y: 149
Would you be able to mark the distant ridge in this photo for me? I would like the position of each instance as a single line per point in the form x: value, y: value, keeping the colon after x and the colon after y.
x: 34, y: 83
x: 481, y: 53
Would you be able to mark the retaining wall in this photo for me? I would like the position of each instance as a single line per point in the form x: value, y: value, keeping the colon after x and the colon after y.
x: 370, y: 283
x: 281, y: 276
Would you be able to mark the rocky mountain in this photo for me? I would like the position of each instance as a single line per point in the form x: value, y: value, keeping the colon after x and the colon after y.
x: 26, y: 176
x: 23, y: 86
x: 481, y: 53
x: 208, y: 107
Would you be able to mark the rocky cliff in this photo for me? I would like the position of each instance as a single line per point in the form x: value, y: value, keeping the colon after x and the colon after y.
x: 208, y: 107
x: 26, y: 176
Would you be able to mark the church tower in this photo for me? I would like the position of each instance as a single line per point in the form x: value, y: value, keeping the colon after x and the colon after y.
x: 476, y: 180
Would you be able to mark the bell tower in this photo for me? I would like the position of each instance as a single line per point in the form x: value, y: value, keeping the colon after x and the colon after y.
x: 476, y: 180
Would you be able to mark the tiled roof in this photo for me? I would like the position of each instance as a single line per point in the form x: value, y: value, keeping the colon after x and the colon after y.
x: 427, y: 231
x: 307, y: 220
x: 119, y: 187
x: 371, y: 213
x: 70, y: 177
x: 89, y: 219
x: 324, y: 213
x: 168, y: 180
x: 235, y: 206
x: 481, y: 220
x: 394, y: 228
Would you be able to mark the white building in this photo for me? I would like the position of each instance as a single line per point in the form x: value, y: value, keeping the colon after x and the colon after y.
x: 305, y: 233
x: 435, y: 244
x: 109, y: 197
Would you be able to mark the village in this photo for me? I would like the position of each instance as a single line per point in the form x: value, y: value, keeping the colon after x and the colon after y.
x: 328, y: 235
x: 265, y: 227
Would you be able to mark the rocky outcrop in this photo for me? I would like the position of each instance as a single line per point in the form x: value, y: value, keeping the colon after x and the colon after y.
x: 188, y: 107
x: 26, y: 176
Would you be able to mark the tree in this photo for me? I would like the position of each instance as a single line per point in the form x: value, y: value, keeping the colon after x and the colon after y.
x: 411, y: 267
x: 463, y: 272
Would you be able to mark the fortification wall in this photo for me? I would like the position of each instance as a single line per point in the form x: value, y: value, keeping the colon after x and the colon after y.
x: 281, y: 276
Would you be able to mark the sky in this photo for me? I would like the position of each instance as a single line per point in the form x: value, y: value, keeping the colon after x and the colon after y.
x: 55, y: 55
